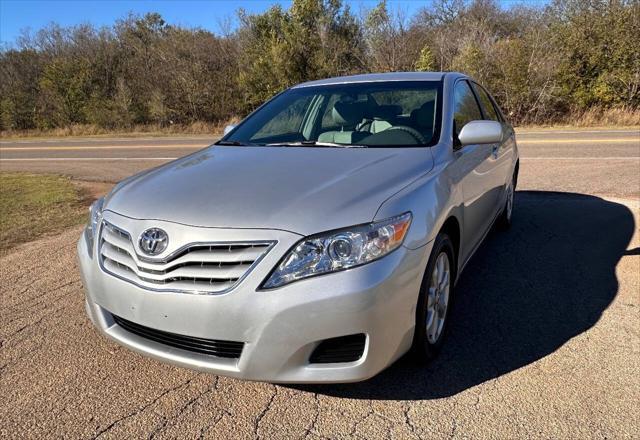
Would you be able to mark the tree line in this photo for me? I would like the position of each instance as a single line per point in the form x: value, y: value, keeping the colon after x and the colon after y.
x: 542, y: 63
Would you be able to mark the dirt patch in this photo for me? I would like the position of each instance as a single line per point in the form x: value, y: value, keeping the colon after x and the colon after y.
x: 35, y: 205
x: 90, y: 191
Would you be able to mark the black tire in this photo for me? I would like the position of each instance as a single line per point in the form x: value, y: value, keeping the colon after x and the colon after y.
x: 423, y: 349
x: 504, y: 220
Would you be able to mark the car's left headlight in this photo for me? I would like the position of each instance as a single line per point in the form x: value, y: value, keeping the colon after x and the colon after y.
x: 95, y: 215
x: 339, y: 250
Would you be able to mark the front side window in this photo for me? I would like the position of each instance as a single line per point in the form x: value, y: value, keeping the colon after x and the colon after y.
x: 376, y: 114
x: 487, y: 106
x: 465, y: 107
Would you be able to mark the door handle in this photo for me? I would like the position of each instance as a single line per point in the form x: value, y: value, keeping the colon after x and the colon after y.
x: 494, y: 150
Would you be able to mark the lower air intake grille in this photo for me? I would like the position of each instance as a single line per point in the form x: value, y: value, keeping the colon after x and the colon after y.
x: 342, y: 349
x: 223, y: 349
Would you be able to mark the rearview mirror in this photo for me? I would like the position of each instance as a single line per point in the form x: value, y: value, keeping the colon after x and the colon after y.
x: 480, y: 132
x: 228, y: 128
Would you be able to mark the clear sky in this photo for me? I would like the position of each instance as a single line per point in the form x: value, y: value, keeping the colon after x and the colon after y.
x: 208, y: 14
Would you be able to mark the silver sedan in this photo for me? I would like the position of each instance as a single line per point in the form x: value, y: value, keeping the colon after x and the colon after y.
x: 318, y: 241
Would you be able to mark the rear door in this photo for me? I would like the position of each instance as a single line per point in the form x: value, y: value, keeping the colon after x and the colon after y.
x: 503, y: 152
x: 476, y: 167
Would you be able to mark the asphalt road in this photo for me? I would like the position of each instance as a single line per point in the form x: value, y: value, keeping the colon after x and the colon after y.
x: 604, y: 162
x: 544, y: 343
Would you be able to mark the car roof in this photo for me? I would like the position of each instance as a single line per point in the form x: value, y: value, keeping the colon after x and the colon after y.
x: 379, y: 77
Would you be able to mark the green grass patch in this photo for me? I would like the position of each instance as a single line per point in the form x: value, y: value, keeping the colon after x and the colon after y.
x: 33, y: 205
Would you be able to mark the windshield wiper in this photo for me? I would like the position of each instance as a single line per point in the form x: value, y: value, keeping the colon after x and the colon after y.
x: 314, y: 144
x: 238, y: 144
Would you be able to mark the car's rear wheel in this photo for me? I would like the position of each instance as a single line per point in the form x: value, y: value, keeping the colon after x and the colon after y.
x: 504, y: 220
x: 434, y: 302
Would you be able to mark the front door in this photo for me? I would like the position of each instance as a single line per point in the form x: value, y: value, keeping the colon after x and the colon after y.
x: 503, y: 153
x: 477, y: 167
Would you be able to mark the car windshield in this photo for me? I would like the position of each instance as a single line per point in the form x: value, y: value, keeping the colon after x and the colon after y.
x: 374, y: 114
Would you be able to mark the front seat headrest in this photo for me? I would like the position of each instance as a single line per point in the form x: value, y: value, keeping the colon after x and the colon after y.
x: 348, y: 113
x: 422, y: 117
x: 386, y: 112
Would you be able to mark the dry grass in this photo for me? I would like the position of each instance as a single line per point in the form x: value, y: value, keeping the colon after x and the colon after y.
x: 34, y: 205
x: 594, y: 117
x: 195, y: 128
x: 622, y: 117
x: 597, y: 117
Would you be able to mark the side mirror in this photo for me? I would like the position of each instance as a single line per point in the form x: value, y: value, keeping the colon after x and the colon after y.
x: 228, y: 128
x: 480, y: 132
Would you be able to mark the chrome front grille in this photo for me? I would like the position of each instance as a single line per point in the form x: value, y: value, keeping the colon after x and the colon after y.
x: 211, y: 268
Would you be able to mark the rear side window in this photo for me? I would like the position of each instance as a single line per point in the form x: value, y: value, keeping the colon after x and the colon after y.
x: 465, y: 107
x: 487, y: 106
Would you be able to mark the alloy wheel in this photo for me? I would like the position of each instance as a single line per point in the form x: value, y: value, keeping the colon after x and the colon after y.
x: 438, y: 297
x: 510, y: 196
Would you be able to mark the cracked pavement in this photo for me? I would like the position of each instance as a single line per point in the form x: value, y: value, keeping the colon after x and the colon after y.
x: 544, y: 343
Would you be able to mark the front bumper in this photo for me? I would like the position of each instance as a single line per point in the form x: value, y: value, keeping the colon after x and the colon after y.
x: 281, y: 327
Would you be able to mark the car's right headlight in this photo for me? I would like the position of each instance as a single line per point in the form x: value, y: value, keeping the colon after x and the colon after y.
x: 339, y: 250
x: 95, y: 216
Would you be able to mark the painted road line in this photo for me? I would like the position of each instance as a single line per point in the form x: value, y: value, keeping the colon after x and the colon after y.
x: 176, y: 146
x: 80, y: 159
x: 577, y: 141
x: 109, y: 147
x: 214, y: 137
x: 636, y: 132
x: 108, y: 139
x: 580, y: 158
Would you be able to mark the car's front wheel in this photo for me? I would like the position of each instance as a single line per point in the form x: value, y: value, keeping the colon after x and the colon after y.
x: 434, y: 301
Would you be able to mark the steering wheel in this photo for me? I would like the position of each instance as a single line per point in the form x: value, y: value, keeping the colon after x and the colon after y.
x: 412, y: 131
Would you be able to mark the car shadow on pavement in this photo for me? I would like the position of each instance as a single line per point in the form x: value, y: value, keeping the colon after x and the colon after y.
x: 524, y: 294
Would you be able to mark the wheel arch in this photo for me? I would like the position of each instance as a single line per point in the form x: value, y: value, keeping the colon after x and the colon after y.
x: 451, y: 227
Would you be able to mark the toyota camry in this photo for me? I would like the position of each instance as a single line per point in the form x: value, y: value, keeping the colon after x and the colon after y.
x: 318, y: 240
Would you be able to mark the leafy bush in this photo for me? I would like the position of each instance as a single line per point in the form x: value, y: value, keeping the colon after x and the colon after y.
x: 542, y: 64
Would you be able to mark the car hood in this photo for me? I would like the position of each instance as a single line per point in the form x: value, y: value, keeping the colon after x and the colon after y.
x: 299, y: 189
